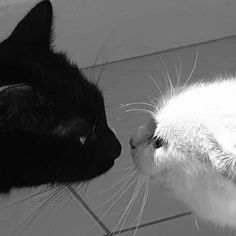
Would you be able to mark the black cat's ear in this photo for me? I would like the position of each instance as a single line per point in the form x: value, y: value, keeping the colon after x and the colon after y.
x: 34, y: 31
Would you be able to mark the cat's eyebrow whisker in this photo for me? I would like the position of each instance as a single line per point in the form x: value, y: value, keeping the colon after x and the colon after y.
x: 129, y: 206
x: 137, y: 103
x: 141, y: 110
x: 180, y: 70
x: 167, y: 76
x: 193, y: 69
x: 178, y: 76
x: 157, y: 86
x: 155, y: 103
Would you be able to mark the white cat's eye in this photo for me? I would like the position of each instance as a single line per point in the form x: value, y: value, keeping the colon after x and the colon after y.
x: 158, y: 142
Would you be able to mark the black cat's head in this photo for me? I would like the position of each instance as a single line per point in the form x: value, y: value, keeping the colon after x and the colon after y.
x: 53, y: 127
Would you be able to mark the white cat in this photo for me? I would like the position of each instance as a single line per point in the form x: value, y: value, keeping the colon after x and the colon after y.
x: 189, y: 148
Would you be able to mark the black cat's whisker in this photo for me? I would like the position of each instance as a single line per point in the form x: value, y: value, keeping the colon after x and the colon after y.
x: 64, y: 193
x: 6, y: 119
x: 167, y: 76
x: 93, y: 68
x: 100, y: 75
x: 28, y: 220
x: 38, y: 202
x: 82, y: 187
x: 129, y: 206
x: 137, y: 103
x: 145, y: 197
x: 27, y: 198
x: 157, y: 85
x: 193, y: 69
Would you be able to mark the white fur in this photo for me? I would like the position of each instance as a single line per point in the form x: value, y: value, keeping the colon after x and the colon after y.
x: 197, y: 163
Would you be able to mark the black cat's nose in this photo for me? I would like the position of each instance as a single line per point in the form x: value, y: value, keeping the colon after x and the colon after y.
x: 118, y: 149
x: 112, y: 144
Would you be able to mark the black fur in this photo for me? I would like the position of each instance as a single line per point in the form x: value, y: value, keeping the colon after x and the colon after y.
x: 53, y: 127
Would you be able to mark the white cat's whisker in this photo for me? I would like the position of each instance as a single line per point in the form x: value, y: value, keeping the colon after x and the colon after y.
x: 197, y: 226
x: 126, y: 175
x: 193, y: 69
x: 122, y: 169
x: 114, y: 195
x: 141, y: 110
x: 116, y: 200
x: 129, y: 206
x: 137, y: 103
x: 145, y: 197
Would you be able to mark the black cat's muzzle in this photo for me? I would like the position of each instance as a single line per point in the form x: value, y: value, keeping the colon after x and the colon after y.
x: 113, y: 146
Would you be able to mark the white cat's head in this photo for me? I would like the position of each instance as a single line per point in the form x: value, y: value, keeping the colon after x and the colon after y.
x: 193, y: 131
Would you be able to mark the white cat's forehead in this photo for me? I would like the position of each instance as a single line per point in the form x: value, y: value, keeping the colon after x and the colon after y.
x: 199, y: 102
x: 196, y: 107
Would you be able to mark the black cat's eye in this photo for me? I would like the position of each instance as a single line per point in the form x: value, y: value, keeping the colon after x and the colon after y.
x: 94, y: 126
x: 158, y: 142
x: 83, y: 139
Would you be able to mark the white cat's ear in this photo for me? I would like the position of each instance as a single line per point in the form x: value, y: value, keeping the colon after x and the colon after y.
x: 34, y: 31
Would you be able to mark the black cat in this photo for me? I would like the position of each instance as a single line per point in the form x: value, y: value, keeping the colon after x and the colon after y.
x: 53, y: 127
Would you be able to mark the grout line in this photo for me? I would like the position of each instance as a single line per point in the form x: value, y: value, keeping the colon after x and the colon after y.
x: 88, y: 209
x: 150, y: 223
x: 158, y: 52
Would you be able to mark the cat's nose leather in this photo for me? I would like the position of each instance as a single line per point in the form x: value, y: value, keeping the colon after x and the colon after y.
x: 117, y: 149
x: 113, y: 145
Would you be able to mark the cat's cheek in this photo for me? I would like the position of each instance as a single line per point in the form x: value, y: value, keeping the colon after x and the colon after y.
x: 151, y: 166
